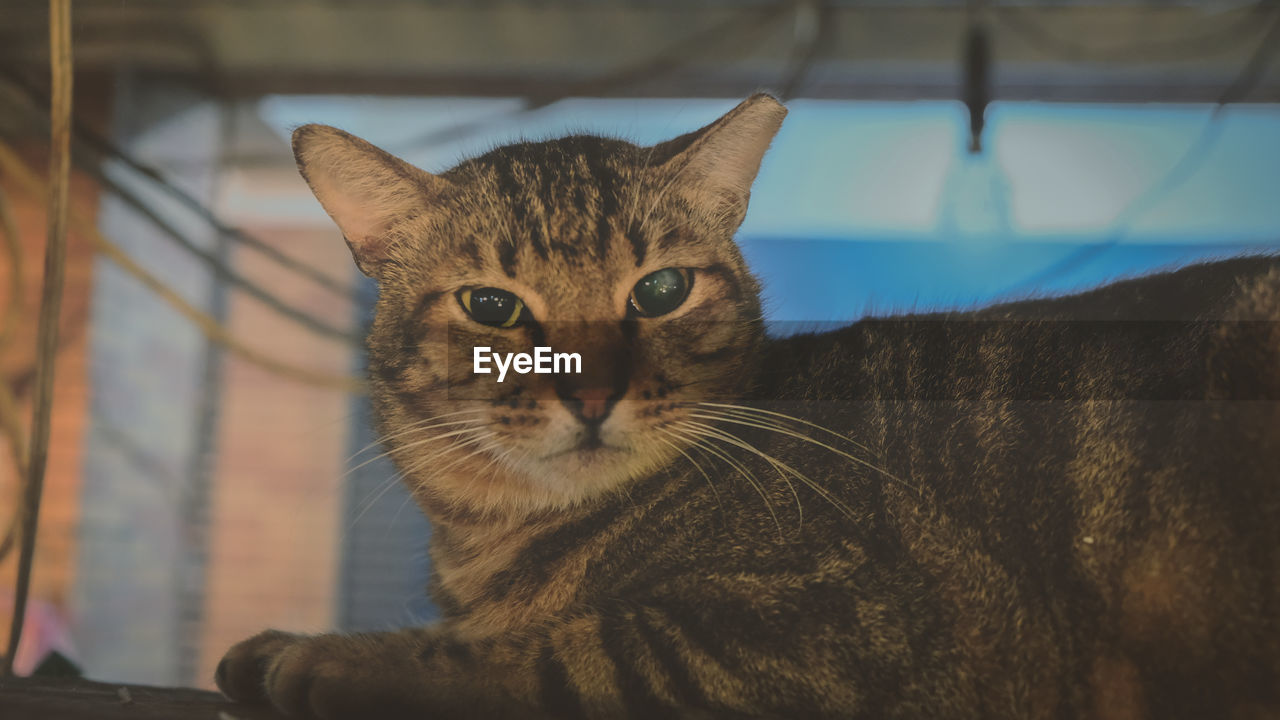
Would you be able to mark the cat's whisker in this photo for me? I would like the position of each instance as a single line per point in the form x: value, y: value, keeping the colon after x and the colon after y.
x: 499, y: 462
x: 436, y: 438
x: 763, y: 424
x: 626, y: 490
x: 809, y: 482
x: 687, y: 456
x: 714, y: 380
x: 771, y: 418
x: 366, y: 504
x: 416, y: 443
x: 483, y: 435
x: 410, y: 446
x: 398, y: 477
x: 482, y: 448
x: 407, y: 427
x: 742, y: 469
x: 411, y: 427
x: 496, y: 463
x: 777, y: 465
x: 416, y: 426
x: 747, y: 409
x: 386, y: 530
x: 417, y: 483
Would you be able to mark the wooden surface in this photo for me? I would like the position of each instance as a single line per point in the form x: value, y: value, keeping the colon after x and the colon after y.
x: 75, y: 699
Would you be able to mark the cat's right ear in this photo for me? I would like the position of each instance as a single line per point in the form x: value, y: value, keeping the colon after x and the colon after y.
x: 365, y: 189
x: 715, y: 166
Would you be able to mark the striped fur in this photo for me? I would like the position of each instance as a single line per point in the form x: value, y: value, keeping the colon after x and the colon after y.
x: 1056, y: 508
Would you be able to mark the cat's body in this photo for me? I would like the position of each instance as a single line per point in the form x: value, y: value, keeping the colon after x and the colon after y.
x: 1056, y: 508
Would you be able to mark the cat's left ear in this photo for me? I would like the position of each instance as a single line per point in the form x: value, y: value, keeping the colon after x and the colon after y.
x: 365, y: 189
x: 715, y: 166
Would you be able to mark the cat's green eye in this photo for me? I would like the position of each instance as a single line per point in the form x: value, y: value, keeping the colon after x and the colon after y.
x: 658, y: 293
x: 492, y: 306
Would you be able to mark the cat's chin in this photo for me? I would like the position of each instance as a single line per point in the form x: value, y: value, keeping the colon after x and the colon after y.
x: 585, y: 464
x: 583, y: 472
x: 589, y: 452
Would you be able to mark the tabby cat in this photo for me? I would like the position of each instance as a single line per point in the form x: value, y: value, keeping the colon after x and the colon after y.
x: 1055, y: 508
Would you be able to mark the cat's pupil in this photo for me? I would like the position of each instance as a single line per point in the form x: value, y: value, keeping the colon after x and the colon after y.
x: 658, y: 293
x: 492, y: 306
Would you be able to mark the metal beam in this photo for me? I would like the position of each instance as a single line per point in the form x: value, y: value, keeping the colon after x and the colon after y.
x: 1112, y: 52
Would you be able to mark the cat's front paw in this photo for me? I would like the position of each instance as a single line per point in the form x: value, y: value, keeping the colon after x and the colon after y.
x: 241, y: 675
x: 326, y: 677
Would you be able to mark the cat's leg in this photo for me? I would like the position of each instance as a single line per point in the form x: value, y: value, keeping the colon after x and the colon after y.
x: 569, y: 668
x: 407, y: 673
x: 591, y: 665
x: 693, y: 659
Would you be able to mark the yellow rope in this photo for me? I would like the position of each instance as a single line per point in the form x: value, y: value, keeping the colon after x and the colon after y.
x: 55, y: 262
x: 215, y: 332
x: 13, y: 248
x: 51, y: 296
x: 12, y: 164
x: 10, y: 424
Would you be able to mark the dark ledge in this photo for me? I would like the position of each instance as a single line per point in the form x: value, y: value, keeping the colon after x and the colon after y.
x: 76, y: 699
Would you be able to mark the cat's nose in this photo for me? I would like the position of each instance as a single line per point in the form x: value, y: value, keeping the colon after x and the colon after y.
x: 591, y: 388
x: 591, y: 405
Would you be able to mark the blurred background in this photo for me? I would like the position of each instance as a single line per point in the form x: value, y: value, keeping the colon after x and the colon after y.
x: 211, y: 472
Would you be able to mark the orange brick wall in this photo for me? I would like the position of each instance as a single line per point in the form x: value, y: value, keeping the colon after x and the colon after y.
x: 56, y: 542
x: 277, y: 492
x: 276, y: 495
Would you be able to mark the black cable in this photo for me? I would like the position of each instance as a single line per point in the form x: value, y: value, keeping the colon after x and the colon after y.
x: 104, y: 147
x: 1245, y: 81
x: 1210, y: 41
x: 672, y: 58
x: 668, y: 61
x: 813, y: 32
x: 215, y: 264
x: 976, y: 82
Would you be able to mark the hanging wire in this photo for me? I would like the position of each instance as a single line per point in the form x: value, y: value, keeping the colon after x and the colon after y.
x: 103, y: 147
x: 1210, y: 41
x: 741, y: 28
x: 11, y: 428
x: 12, y: 164
x: 812, y: 31
x: 1251, y: 73
x: 216, y: 265
x: 977, y: 82
x: 10, y: 424
x: 60, y: 68
x: 13, y: 250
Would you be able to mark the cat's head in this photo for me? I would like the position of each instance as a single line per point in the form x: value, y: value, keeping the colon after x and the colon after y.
x: 623, y: 255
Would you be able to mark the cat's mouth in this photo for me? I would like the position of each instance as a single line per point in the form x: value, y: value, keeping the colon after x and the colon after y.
x: 590, y: 447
